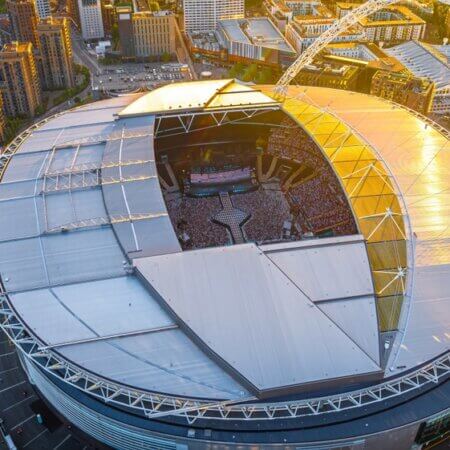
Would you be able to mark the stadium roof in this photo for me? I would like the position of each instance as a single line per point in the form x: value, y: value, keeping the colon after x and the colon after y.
x: 204, y: 96
x: 418, y: 157
x: 73, y: 214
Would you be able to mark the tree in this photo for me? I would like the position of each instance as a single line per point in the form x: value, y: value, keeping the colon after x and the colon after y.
x: 250, y: 73
x: 165, y: 57
x: 154, y: 6
x: 264, y: 76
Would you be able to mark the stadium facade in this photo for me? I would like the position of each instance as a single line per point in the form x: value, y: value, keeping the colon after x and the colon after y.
x: 331, y: 332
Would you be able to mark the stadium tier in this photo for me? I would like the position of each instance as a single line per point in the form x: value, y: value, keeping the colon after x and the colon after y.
x: 211, y: 266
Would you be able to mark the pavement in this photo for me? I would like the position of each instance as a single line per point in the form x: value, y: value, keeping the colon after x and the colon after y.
x: 81, y: 54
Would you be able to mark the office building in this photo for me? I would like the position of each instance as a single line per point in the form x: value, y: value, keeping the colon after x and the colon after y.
x: 19, y: 80
x: 203, y: 15
x: 145, y: 34
x: 56, y: 53
x: 125, y: 26
x: 91, y: 19
x: 43, y: 8
x: 23, y: 18
x: 392, y: 24
x: 154, y: 33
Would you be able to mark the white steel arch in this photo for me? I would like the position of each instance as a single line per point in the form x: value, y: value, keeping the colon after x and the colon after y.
x: 327, y: 37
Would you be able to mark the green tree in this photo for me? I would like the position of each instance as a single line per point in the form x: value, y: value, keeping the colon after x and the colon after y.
x: 165, y: 57
x: 250, y: 73
x: 154, y: 6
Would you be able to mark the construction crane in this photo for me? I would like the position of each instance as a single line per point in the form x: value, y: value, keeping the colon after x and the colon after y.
x: 328, y: 36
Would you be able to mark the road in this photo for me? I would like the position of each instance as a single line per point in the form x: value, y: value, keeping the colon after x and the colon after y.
x: 82, y: 56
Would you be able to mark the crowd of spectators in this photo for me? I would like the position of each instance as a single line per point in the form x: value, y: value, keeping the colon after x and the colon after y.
x: 319, y: 201
x: 192, y: 220
x: 315, y: 204
x: 268, y: 211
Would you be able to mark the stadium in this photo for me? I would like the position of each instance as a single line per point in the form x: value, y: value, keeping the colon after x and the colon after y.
x: 212, y: 266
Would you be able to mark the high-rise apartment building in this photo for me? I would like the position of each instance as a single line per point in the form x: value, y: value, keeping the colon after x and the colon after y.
x: 56, y: 53
x: 73, y: 11
x: 108, y: 16
x: 203, y: 15
x: 19, y: 79
x: 2, y: 122
x: 43, y: 8
x: 23, y: 18
x: 91, y: 19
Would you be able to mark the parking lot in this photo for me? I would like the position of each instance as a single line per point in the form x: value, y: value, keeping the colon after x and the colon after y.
x: 130, y: 77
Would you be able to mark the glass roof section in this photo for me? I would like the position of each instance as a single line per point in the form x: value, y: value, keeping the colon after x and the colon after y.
x: 370, y: 190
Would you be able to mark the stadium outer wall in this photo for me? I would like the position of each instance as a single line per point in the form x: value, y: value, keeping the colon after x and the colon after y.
x: 113, y: 431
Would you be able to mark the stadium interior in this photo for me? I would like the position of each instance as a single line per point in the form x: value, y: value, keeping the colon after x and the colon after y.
x: 262, y: 181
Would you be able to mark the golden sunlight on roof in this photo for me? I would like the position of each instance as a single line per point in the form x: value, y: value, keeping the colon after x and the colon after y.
x: 196, y: 95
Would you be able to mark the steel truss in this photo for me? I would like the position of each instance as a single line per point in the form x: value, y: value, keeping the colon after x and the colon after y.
x: 154, y: 405
x: 96, y: 222
x: 85, y: 179
x: 220, y: 117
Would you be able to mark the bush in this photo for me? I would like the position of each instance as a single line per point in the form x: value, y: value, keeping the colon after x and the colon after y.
x: 72, y: 92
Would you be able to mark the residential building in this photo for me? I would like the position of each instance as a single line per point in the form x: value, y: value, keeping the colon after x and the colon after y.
x: 73, y: 11
x: 203, y: 15
x: 56, y: 53
x: 19, y: 79
x: 391, y: 24
x: 431, y: 62
x: 442, y: 12
x: 108, y: 15
x: 2, y: 123
x: 281, y: 12
x: 329, y: 74
x: 415, y: 93
x: 365, y: 51
x: 6, y: 34
x: 91, y: 19
x: 43, y: 8
x: 303, y: 30
x: 23, y: 18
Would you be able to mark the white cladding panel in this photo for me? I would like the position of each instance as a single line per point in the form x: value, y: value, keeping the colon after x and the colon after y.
x: 237, y: 294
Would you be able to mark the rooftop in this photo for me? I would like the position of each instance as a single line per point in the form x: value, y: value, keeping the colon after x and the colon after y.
x: 91, y: 271
x: 392, y: 15
x: 204, y: 95
x: 257, y: 31
x: 424, y: 61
